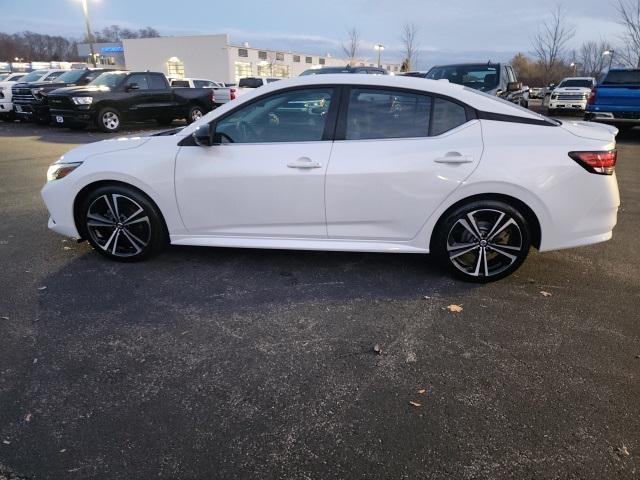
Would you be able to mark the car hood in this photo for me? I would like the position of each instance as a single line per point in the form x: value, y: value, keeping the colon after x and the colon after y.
x: 82, y: 90
x: 85, y: 152
x: 591, y: 130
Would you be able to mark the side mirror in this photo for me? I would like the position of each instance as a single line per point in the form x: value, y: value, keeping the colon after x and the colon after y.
x: 132, y: 86
x: 514, y: 86
x: 205, y: 135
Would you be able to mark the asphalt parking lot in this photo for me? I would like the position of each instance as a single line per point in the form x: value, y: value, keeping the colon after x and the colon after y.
x: 245, y: 364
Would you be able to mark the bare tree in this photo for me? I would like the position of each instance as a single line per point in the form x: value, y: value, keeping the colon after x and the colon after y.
x: 410, y: 44
x: 550, y: 43
x: 351, y: 48
x: 629, y: 18
x: 590, y: 59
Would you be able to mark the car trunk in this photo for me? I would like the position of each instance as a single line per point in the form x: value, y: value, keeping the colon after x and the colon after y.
x: 590, y: 130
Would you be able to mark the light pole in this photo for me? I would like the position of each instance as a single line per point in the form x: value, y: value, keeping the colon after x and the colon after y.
x: 379, y: 47
x: 610, y: 53
x: 87, y: 22
x: 575, y: 68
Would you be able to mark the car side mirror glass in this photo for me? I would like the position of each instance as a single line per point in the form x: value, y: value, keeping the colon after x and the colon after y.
x: 514, y: 86
x: 205, y: 135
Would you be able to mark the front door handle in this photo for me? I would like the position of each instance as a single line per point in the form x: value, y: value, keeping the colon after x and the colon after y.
x: 304, y: 163
x: 454, y: 157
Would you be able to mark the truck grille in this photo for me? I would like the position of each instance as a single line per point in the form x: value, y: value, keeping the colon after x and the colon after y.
x: 23, y: 95
x: 572, y: 97
x: 59, y: 102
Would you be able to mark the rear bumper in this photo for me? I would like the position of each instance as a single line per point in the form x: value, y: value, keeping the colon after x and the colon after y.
x: 613, y: 118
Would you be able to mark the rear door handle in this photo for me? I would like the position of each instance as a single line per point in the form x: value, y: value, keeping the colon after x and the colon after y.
x: 304, y: 163
x: 454, y: 157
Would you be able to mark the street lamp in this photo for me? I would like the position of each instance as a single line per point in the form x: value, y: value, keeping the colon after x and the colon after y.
x: 379, y: 47
x: 87, y: 22
x: 610, y: 53
x: 575, y: 67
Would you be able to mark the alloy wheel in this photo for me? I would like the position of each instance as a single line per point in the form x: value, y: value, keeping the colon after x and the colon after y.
x: 110, y: 120
x: 196, y: 114
x: 118, y: 225
x: 485, y: 243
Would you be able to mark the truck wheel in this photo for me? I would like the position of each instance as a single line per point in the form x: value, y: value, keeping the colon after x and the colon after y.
x: 195, y: 113
x: 109, y: 120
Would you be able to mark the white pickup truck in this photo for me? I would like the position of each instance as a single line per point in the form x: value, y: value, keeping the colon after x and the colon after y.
x: 7, y: 83
x: 226, y: 94
x: 195, y: 83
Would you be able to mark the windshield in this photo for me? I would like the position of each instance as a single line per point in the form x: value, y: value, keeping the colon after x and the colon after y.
x: 34, y: 76
x: 109, y: 79
x: 622, y: 77
x: 583, y: 83
x: 3, y: 76
x: 72, y: 76
x: 479, y: 77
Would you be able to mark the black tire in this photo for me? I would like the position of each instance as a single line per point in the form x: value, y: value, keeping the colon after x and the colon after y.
x: 109, y: 120
x: 489, y: 248
x: 137, y: 238
x: 9, y: 117
x: 196, y: 112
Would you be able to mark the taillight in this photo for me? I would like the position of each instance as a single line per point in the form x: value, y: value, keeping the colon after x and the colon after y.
x: 232, y: 94
x: 213, y: 97
x: 602, y: 163
x: 592, y: 96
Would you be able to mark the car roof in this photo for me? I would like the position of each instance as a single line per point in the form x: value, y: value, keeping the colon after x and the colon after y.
x: 489, y: 64
x: 466, y: 95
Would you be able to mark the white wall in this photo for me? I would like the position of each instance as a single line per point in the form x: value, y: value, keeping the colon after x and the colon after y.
x: 203, y: 56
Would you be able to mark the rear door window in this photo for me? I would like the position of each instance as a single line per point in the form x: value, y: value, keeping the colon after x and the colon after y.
x: 377, y: 114
x: 157, y: 82
x: 447, y: 115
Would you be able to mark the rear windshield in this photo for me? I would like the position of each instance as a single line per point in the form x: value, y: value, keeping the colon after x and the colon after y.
x: 622, y: 77
x: 483, y: 77
x: 584, y: 83
x: 180, y: 83
x: 250, y: 82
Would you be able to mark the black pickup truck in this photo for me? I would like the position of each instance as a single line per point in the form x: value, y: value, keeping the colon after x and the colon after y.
x: 117, y: 97
x: 30, y: 99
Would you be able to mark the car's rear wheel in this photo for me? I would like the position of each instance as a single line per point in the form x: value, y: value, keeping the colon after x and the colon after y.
x: 195, y: 113
x: 122, y: 224
x: 109, y: 120
x: 482, y: 241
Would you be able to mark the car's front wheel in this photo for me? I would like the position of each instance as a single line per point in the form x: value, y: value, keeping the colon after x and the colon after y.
x: 121, y: 223
x: 109, y: 120
x: 482, y: 241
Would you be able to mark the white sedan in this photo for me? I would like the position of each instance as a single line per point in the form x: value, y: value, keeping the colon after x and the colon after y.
x: 352, y: 163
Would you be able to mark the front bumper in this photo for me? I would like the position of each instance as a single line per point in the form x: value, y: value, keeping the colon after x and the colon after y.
x: 59, y: 201
x: 6, y: 107
x: 72, y: 117
x: 574, y: 105
x: 30, y: 111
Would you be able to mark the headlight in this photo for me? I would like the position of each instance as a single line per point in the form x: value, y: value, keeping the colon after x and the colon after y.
x: 82, y: 100
x: 554, y: 96
x: 61, y: 170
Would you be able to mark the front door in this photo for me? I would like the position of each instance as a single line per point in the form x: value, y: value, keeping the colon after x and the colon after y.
x: 401, y: 154
x: 266, y: 178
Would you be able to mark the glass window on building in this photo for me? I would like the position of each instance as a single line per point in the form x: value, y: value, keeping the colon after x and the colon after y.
x: 243, y: 69
x: 243, y: 52
x: 322, y: 61
x: 264, y: 70
x: 262, y: 55
x: 175, y: 68
x: 296, y: 58
x: 280, y: 56
x: 308, y: 59
x: 280, y: 71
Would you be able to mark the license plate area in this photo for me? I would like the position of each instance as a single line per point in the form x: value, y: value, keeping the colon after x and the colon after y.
x: 59, y: 119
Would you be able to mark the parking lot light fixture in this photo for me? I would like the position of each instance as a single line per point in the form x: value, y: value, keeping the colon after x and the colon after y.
x: 85, y: 10
x: 574, y: 65
x: 379, y: 47
x: 610, y: 54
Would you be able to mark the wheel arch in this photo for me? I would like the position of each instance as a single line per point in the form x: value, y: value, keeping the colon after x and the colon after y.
x: 87, y: 189
x: 530, y: 216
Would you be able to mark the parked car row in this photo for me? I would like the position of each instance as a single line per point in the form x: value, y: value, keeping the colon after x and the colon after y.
x: 102, y: 98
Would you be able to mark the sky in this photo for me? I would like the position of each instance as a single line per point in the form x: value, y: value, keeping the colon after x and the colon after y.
x: 449, y: 30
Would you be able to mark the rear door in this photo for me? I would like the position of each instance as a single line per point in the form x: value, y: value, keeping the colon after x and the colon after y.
x: 397, y: 155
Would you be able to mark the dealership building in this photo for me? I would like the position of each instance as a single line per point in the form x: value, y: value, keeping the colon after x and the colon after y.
x: 211, y: 57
